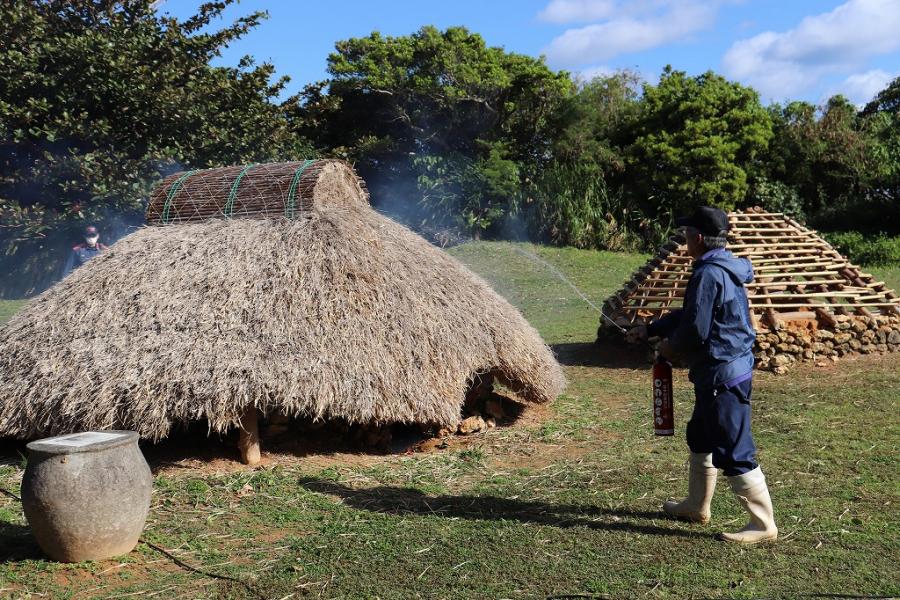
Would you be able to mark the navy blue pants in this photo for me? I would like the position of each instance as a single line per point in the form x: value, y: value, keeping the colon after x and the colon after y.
x: 721, y: 425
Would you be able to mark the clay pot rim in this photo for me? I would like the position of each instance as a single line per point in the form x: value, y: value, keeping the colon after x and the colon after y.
x: 126, y: 437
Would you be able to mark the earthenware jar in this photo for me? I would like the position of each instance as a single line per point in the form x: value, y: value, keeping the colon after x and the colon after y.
x: 86, y: 495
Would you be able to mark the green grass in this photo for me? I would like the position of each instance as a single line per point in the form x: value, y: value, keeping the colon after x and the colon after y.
x: 540, y: 294
x: 562, y: 504
x: 8, y: 308
x: 890, y: 275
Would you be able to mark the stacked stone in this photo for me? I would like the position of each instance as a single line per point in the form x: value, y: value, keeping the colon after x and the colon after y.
x: 777, y: 350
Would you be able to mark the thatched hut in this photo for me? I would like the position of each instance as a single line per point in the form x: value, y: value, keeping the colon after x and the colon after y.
x: 338, y: 312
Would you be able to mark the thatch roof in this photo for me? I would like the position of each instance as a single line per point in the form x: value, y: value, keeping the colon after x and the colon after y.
x: 342, y: 313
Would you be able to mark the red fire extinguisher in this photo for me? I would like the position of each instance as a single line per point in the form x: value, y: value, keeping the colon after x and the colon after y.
x: 663, y: 410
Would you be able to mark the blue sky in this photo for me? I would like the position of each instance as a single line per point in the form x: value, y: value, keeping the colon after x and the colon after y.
x: 786, y: 49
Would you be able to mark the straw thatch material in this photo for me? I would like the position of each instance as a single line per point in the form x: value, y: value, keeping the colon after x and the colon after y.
x: 343, y: 314
x: 271, y: 190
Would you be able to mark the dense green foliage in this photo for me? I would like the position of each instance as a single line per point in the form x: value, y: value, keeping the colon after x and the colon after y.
x: 443, y: 128
x: 696, y: 139
x: 99, y: 98
x: 842, y: 164
x: 866, y: 249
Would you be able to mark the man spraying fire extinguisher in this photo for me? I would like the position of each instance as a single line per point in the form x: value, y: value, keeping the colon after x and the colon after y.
x: 714, y: 334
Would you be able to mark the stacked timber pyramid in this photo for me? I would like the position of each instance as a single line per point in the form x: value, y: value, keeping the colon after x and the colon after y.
x: 807, y: 301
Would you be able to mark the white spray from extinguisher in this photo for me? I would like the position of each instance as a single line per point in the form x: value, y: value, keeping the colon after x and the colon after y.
x: 663, y: 401
x: 574, y: 287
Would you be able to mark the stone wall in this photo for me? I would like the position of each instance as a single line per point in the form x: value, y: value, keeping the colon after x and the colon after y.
x: 811, y: 340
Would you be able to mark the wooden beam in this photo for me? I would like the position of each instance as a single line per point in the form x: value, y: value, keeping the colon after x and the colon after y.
x: 826, y: 317
x: 786, y: 247
x: 248, y: 440
x: 787, y: 260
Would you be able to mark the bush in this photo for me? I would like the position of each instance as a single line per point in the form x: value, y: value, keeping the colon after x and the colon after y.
x: 572, y: 206
x: 877, y: 250
x: 473, y: 197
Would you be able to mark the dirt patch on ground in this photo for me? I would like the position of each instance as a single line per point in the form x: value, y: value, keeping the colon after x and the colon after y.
x: 103, y: 579
x: 220, y: 458
x: 194, y: 453
x: 541, y: 455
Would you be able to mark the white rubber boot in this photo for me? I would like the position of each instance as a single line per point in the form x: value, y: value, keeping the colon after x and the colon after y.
x: 701, y: 485
x: 753, y: 494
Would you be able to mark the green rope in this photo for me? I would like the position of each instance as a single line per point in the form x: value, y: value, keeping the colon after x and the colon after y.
x: 167, y: 207
x: 292, y: 192
x: 229, y: 206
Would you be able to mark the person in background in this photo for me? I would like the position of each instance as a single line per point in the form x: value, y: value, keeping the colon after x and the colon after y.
x: 714, y: 334
x: 84, y: 252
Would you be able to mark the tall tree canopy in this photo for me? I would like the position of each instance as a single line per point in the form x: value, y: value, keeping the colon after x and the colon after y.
x: 697, y: 140
x: 887, y: 100
x: 841, y: 162
x: 438, y: 117
x: 99, y: 98
x: 595, y: 124
x: 883, y: 123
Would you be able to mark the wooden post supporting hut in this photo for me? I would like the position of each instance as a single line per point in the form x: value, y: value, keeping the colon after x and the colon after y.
x: 248, y: 440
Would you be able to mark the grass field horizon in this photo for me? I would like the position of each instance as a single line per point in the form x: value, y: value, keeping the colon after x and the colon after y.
x: 563, y: 503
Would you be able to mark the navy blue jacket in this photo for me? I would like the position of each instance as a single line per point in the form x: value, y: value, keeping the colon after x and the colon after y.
x: 713, y: 330
x: 80, y: 255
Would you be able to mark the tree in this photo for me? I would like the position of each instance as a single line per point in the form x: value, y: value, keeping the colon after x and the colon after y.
x: 441, y: 126
x: 837, y: 160
x: 595, y: 124
x: 697, y: 141
x: 99, y: 99
x: 881, y: 120
x: 887, y: 100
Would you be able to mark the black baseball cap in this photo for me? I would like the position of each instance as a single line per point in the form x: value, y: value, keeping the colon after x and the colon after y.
x: 708, y: 220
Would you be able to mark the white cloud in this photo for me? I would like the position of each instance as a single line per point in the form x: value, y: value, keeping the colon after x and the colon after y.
x: 860, y: 88
x: 575, y: 11
x: 787, y: 63
x: 632, y: 28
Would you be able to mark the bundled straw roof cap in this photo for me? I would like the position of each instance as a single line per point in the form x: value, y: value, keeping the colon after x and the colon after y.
x: 342, y: 313
x: 273, y: 190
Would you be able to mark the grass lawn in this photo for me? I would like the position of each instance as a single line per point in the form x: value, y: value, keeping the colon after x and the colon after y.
x: 8, y: 308
x: 564, y: 503
x: 890, y: 275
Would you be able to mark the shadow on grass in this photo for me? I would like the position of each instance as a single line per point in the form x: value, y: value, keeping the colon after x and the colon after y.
x: 406, y: 501
x: 608, y: 355
x: 17, y: 543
